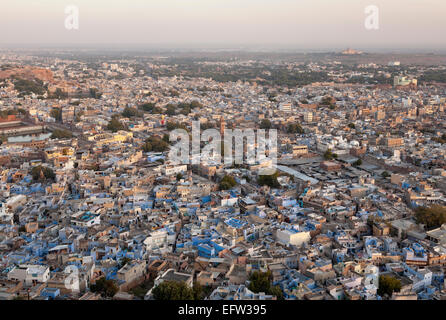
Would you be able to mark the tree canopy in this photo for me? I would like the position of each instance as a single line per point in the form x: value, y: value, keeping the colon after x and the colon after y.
x: 262, y: 282
x: 107, y: 288
x: 56, y: 113
x: 265, y: 124
x: 329, y: 155
x: 156, y: 144
x: 228, y: 182
x: 131, y: 112
x: 433, y: 216
x: 173, y: 290
x: 115, y: 125
x: 388, y: 285
x: 41, y: 173
x: 294, y: 128
x: 269, y: 180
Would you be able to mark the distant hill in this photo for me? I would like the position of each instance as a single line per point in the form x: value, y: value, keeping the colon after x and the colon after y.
x: 27, y: 73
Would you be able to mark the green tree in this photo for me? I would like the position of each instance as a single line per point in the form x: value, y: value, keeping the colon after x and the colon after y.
x: 262, y: 282
x: 173, y: 290
x: 329, y: 155
x: 265, y: 124
x: 148, y: 106
x: 130, y: 112
x: 171, y: 110
x: 294, y: 128
x: 269, y: 180
x: 388, y: 285
x: 56, y: 113
x: 107, y: 288
x: 24, y: 86
x: 155, y: 144
x: 228, y: 182
x: 198, y: 291
x: 433, y: 216
x: 115, y: 125
x: 41, y: 173
x: 175, y: 125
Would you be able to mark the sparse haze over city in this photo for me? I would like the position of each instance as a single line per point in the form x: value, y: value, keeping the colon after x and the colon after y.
x: 280, y: 24
x: 222, y: 159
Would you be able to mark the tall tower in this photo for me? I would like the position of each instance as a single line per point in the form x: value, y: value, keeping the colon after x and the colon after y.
x: 222, y: 126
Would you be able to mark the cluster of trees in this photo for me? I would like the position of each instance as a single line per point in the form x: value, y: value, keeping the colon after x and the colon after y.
x: 377, y: 78
x: 228, y: 182
x: 182, y: 108
x: 433, y: 76
x: 3, y: 139
x: 41, y: 173
x: 262, y: 282
x: 115, y: 125
x: 329, y: 155
x: 131, y: 112
x: 107, y: 288
x: 61, y: 134
x: 294, y: 128
x: 156, y: 144
x: 29, y: 86
x: 207, y: 125
x: 431, y: 217
x: 150, y: 107
x: 175, y: 290
x: 291, y: 78
x: 269, y: 180
x: 265, y: 124
x: 56, y: 113
x: 175, y: 125
x: 7, y: 112
x: 388, y: 285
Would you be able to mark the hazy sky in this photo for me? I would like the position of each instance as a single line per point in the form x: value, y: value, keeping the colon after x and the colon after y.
x: 412, y: 24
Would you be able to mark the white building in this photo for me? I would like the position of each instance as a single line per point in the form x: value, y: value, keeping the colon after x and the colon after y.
x: 159, y: 239
x: 293, y: 237
x: 29, y: 274
x: 170, y: 170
